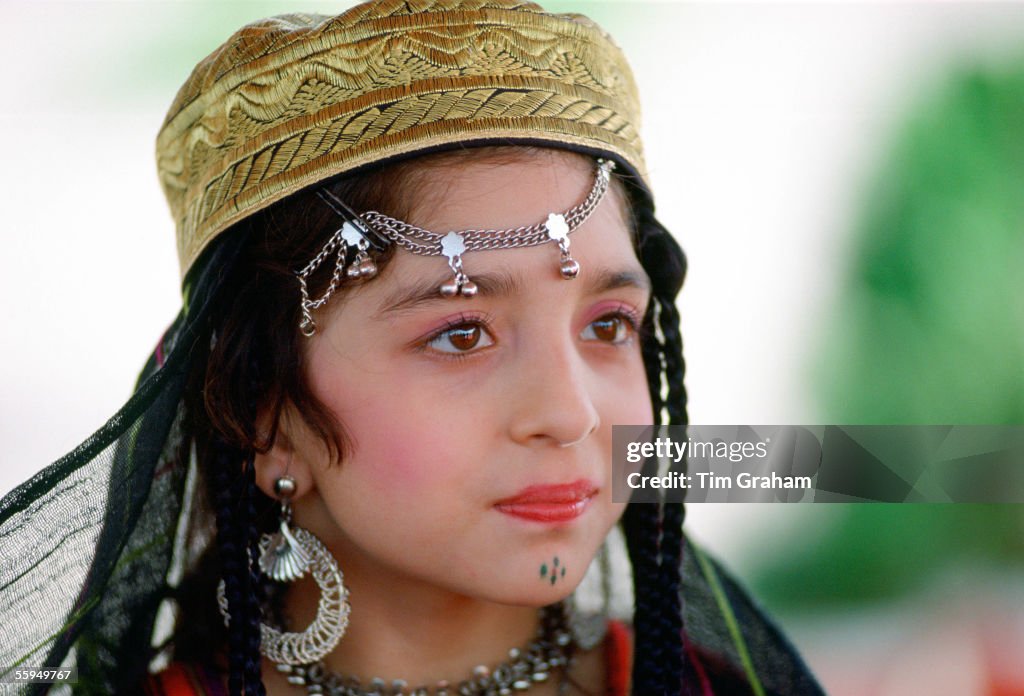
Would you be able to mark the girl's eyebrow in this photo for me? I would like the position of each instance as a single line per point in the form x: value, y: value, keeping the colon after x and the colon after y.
x: 505, y: 283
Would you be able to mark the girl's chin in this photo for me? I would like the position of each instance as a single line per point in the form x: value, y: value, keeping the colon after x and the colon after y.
x: 535, y: 597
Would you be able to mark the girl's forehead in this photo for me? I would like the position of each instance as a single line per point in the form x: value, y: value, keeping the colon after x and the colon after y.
x: 500, y: 193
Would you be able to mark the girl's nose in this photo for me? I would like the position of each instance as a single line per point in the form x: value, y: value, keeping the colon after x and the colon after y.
x: 552, y: 400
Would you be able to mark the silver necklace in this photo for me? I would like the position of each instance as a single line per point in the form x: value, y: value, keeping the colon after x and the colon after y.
x: 551, y: 651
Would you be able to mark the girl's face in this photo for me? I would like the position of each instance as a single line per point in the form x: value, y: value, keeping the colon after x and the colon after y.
x: 480, y: 429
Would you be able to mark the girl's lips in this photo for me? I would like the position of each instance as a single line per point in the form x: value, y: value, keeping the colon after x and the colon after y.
x: 553, y: 503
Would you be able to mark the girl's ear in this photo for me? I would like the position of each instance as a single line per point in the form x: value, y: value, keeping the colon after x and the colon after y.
x: 282, y: 460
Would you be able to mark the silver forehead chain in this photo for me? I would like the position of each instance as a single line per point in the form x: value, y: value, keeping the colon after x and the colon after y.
x: 355, y: 234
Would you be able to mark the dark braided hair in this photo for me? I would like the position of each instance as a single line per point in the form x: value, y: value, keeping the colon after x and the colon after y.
x: 673, y: 513
x: 640, y: 526
x: 254, y: 595
x: 654, y: 532
x: 255, y: 367
x: 237, y: 545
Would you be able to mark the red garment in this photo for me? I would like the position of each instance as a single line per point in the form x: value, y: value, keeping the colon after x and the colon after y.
x: 187, y: 679
x: 618, y: 657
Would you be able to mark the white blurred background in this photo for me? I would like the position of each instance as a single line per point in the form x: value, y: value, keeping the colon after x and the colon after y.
x: 762, y: 121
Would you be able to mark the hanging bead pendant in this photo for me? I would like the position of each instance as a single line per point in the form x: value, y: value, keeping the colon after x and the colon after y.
x: 558, y: 231
x: 453, y: 246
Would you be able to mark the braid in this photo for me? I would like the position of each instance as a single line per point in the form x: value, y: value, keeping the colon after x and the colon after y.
x: 235, y: 527
x: 654, y: 532
x: 253, y: 678
x: 675, y: 366
x: 227, y: 542
x: 651, y: 351
x: 640, y: 527
x: 673, y: 514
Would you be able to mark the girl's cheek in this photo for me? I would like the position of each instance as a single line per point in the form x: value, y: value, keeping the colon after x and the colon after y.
x: 402, y: 459
x: 634, y: 405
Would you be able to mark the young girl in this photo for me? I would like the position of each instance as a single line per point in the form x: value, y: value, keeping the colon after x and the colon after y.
x: 422, y: 280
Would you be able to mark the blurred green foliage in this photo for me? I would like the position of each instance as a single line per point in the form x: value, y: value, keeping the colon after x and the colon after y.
x: 929, y: 328
x: 882, y: 551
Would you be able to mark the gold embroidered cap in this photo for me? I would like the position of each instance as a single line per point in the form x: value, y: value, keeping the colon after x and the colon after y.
x: 292, y: 100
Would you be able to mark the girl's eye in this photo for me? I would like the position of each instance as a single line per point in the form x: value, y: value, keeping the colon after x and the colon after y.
x: 613, y: 328
x: 461, y: 338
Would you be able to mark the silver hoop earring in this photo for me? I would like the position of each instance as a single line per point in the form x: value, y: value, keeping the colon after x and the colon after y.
x: 285, y: 556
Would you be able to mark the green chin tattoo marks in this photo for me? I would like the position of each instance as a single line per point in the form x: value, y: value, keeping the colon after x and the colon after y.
x: 552, y: 573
